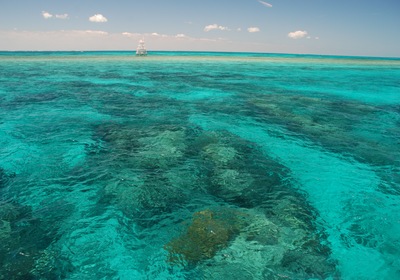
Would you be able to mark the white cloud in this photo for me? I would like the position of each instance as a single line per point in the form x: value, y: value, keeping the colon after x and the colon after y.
x: 215, y: 27
x: 93, y: 32
x: 63, y: 16
x: 316, y: 38
x: 265, y: 4
x: 297, y: 34
x: 46, y: 15
x: 98, y: 18
x: 253, y: 29
x: 239, y: 29
x: 128, y: 34
x: 180, y: 36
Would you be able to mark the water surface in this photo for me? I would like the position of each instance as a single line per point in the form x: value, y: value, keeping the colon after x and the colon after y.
x: 199, y: 166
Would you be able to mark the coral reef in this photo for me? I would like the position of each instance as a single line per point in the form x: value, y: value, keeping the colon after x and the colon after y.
x: 5, y: 177
x: 268, y: 250
x: 330, y: 123
x: 161, y: 150
x: 239, y: 172
x: 147, y: 148
x: 50, y: 264
x: 22, y: 240
x: 208, y: 232
x: 166, y: 168
x: 220, y: 154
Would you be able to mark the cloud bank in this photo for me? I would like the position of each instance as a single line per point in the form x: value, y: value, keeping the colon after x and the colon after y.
x: 90, y: 40
x: 297, y: 34
x: 215, y: 27
x: 128, y: 34
x: 98, y: 18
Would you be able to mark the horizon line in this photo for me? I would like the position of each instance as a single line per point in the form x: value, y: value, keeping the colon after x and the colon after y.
x: 207, y: 51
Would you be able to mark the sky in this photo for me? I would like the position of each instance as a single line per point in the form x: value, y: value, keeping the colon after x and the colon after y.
x: 333, y: 27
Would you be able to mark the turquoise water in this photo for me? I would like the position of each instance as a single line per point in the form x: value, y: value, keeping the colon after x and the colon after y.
x: 199, y: 166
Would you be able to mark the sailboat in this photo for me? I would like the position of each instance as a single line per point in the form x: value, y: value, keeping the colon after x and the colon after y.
x: 141, y: 49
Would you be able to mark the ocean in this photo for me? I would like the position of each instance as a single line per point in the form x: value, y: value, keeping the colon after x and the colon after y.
x: 188, y: 165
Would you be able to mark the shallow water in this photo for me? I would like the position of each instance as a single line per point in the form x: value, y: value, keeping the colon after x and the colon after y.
x: 199, y: 166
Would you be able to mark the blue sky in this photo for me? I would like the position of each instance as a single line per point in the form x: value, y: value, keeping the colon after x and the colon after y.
x: 339, y: 27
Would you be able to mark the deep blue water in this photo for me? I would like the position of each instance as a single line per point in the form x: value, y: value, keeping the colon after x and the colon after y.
x: 199, y: 166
